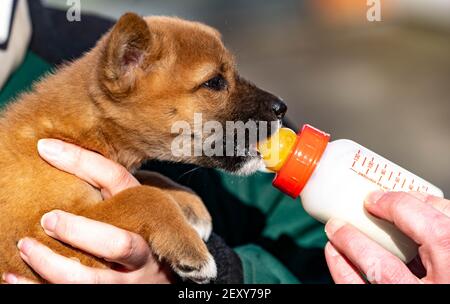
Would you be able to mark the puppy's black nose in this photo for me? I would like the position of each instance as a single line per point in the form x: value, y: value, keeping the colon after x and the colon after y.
x: 279, y: 108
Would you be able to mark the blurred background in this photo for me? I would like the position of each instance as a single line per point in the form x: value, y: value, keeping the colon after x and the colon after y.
x: 383, y: 84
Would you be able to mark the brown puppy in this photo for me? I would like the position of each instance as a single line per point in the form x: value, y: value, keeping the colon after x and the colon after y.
x: 121, y: 100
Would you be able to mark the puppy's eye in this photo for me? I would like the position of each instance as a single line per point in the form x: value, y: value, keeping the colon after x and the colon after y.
x: 217, y: 83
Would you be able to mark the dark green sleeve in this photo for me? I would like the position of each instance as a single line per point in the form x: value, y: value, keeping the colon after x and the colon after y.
x: 260, y: 267
x: 21, y: 80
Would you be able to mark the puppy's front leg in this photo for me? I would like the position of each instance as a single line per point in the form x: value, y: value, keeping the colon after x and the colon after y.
x: 156, y: 216
x: 192, y: 206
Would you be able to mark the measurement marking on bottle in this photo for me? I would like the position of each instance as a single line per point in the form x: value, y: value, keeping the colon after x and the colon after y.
x: 370, y: 179
x: 411, y: 187
x: 356, y: 158
x: 395, y: 179
x: 370, y: 165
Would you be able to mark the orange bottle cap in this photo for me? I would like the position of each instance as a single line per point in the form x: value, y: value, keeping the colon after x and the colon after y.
x: 298, y: 168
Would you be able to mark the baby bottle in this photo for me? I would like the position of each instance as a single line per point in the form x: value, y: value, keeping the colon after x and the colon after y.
x: 334, y: 178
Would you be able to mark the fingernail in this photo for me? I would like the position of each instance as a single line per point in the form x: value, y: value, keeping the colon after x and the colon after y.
x: 50, y: 147
x: 374, y: 197
x: 25, y: 245
x: 332, y: 226
x: 9, y: 278
x: 49, y: 221
x: 331, y: 250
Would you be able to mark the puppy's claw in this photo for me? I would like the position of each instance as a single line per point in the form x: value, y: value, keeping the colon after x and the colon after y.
x: 203, y: 274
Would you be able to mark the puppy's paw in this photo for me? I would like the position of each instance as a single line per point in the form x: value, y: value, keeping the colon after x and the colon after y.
x: 191, y: 204
x: 200, y: 273
x: 180, y: 245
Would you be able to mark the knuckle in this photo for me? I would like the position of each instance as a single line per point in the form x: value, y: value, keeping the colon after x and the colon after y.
x: 441, y: 231
x: 396, y: 201
x: 41, y: 261
x: 122, y: 246
x: 388, y: 270
x: 391, y: 275
x: 66, y: 228
x: 365, y: 253
x: 77, y: 155
x: 399, y: 199
x: 120, y: 177
x: 345, y: 237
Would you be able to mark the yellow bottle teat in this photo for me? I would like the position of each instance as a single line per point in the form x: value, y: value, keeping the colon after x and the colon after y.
x: 276, y: 149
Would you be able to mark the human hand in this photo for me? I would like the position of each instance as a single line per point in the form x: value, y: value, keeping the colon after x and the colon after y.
x: 136, y: 263
x: 424, y: 218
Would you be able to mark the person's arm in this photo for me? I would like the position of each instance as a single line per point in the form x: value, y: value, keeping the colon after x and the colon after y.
x: 124, y: 248
x: 352, y: 257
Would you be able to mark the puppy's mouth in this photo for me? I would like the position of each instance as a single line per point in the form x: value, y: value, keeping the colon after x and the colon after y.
x: 246, y: 159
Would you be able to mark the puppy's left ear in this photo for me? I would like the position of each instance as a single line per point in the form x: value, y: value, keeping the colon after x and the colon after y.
x: 127, y: 51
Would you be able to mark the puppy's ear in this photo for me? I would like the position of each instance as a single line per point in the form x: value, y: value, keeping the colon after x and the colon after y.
x: 127, y: 51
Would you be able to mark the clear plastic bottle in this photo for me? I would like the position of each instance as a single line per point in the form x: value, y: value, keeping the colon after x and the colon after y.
x: 333, y: 179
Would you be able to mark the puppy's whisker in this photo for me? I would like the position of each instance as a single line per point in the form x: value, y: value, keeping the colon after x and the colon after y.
x: 188, y: 172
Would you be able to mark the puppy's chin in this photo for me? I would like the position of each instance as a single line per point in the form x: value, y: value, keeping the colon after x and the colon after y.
x: 243, y: 165
x: 251, y: 166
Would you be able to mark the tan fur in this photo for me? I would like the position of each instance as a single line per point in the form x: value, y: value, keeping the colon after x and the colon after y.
x: 120, y: 100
